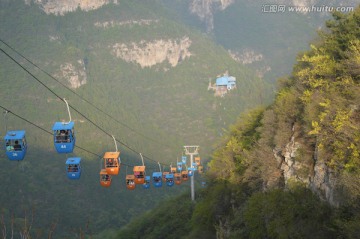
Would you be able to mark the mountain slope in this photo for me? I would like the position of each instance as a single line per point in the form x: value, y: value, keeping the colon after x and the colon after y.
x: 107, y: 56
x: 292, y: 170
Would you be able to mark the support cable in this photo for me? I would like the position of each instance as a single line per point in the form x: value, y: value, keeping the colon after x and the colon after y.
x: 97, y: 126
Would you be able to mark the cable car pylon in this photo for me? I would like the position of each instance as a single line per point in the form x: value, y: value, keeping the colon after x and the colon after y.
x: 192, y: 150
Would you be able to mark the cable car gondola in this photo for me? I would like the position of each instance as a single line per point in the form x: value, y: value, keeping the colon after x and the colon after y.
x: 169, y: 179
x: 73, y: 168
x: 177, y: 178
x: 112, y: 162
x: 197, y: 161
x: 139, y: 173
x: 183, y: 159
x: 146, y: 184
x: 191, y: 171
x: 157, y: 179
x: 64, y: 135
x: 130, y: 181
x: 184, y: 175
x: 15, y: 145
x: 105, y: 178
x: 164, y: 176
x: 179, y: 166
x: 172, y: 170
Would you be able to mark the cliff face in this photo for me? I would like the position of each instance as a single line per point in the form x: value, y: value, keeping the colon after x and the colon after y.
x: 64, y: 6
x: 205, y: 9
x: 111, y: 23
x: 73, y: 73
x: 309, y: 167
x: 148, y: 54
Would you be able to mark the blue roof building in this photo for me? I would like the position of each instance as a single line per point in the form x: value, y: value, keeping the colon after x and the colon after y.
x: 228, y: 81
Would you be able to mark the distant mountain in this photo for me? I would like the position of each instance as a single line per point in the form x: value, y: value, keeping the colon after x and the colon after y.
x: 263, y: 35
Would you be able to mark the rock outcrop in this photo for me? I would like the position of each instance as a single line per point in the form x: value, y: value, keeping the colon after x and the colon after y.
x: 62, y: 7
x: 247, y: 56
x: 75, y: 75
x: 148, y: 54
x: 141, y: 22
x: 205, y: 9
x: 315, y: 174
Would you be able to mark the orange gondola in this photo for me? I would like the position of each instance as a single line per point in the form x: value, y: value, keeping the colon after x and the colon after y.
x: 197, y: 161
x: 177, y: 178
x: 139, y: 173
x: 112, y: 162
x: 173, y: 169
x: 130, y: 182
x: 105, y: 178
x: 184, y: 175
x: 164, y: 176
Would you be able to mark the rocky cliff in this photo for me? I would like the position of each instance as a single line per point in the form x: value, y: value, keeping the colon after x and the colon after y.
x: 64, y: 6
x: 150, y: 53
x: 308, y: 168
x: 73, y: 73
x: 205, y: 9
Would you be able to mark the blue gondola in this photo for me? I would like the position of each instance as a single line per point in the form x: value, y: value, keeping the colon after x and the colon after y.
x: 64, y: 137
x: 15, y: 144
x: 195, y: 166
x: 146, y: 184
x: 73, y: 168
x: 157, y: 179
x: 170, y: 179
x: 183, y: 159
x: 179, y: 166
x: 190, y: 171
